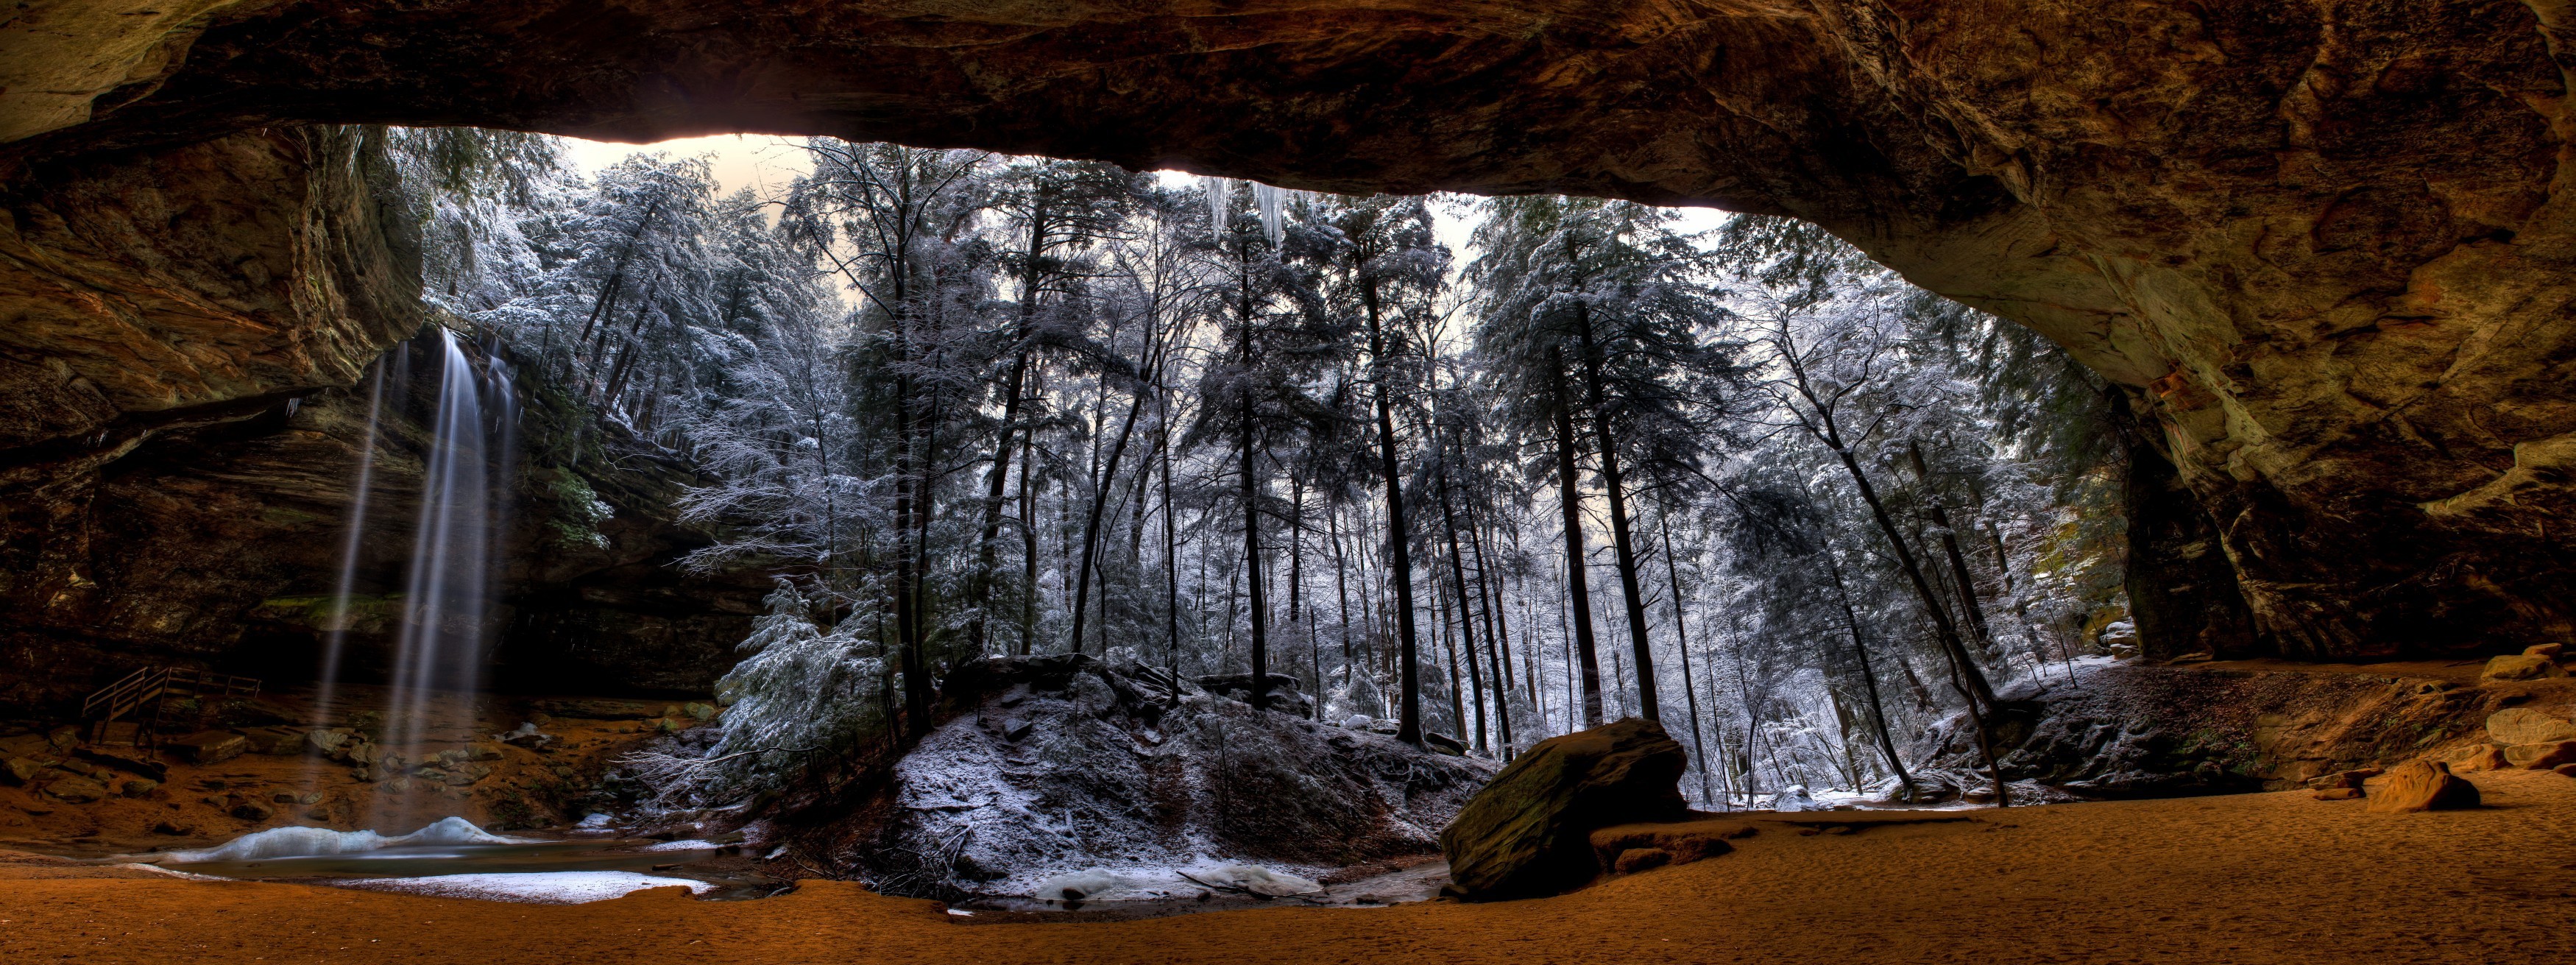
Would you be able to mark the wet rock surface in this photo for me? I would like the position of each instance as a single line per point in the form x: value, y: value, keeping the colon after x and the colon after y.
x: 2133, y: 730
x: 588, y: 599
x: 1528, y: 832
x: 1054, y: 765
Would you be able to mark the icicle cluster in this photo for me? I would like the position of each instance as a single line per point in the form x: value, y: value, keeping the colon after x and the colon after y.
x: 1272, y: 202
x: 1219, y: 192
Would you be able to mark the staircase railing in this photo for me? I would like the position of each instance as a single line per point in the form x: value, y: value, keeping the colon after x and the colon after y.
x: 156, y: 685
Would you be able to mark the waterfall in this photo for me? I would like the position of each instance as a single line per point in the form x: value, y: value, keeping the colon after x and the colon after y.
x: 447, y: 589
x: 388, y: 378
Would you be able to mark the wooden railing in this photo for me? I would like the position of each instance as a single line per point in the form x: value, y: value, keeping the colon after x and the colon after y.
x: 155, y: 685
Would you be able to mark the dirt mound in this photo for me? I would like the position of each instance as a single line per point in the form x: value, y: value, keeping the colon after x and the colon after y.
x: 1049, y: 766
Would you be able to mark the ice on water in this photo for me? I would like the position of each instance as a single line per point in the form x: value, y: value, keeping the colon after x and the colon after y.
x: 299, y: 842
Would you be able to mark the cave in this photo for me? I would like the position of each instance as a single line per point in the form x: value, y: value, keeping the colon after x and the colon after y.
x: 2308, y: 250
x: 2312, y: 246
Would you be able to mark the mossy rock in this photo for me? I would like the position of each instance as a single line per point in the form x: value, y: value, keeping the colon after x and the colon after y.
x: 1528, y: 833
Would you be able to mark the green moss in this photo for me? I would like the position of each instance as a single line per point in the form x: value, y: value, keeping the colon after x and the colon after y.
x: 322, y: 613
x: 282, y: 516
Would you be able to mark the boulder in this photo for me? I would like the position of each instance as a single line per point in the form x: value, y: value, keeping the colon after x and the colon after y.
x: 2521, y: 667
x: 2339, y: 794
x: 141, y: 787
x: 2549, y: 650
x: 2541, y: 757
x: 2421, y: 785
x: 1635, y: 860
x: 77, y: 790
x: 2487, y: 757
x: 210, y: 746
x: 275, y: 741
x: 20, y: 770
x: 2344, y: 779
x: 129, y: 763
x: 1283, y: 694
x: 252, y: 811
x: 2523, y: 725
x: 597, y: 709
x: 1527, y: 833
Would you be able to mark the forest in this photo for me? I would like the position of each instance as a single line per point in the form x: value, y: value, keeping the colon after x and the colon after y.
x: 1745, y: 481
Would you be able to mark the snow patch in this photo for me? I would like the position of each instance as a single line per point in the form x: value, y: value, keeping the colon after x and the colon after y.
x: 534, y: 887
x: 301, y: 842
x: 681, y: 846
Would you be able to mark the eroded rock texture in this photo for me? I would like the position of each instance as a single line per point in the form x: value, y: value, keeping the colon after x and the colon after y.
x: 2324, y: 245
x: 220, y: 542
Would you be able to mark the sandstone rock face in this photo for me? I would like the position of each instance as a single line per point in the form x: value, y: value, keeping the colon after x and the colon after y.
x: 2141, y: 730
x: 2541, y: 757
x: 221, y: 544
x: 2423, y: 786
x: 2525, y: 725
x: 2322, y: 245
x: 2521, y: 667
x: 1528, y: 833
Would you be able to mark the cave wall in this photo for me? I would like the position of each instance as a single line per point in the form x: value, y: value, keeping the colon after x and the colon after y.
x: 183, y: 331
x: 2325, y: 246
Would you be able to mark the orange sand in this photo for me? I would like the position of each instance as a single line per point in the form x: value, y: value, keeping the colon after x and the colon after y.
x: 2256, y: 878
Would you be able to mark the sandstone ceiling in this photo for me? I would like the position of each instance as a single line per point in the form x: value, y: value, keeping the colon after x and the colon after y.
x: 2322, y: 242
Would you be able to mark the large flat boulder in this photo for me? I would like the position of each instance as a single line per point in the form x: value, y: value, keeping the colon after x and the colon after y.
x: 2525, y: 725
x: 1528, y: 833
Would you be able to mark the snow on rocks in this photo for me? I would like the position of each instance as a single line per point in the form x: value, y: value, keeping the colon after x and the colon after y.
x: 1064, y: 773
x: 532, y: 887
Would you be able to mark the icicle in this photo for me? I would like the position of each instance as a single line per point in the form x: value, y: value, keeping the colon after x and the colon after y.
x: 1219, y: 192
x: 1274, y: 221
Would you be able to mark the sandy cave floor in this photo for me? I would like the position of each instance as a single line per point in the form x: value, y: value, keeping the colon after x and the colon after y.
x: 2257, y: 878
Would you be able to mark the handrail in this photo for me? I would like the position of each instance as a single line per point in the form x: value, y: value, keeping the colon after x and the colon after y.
x: 133, y: 689
x: 114, y: 693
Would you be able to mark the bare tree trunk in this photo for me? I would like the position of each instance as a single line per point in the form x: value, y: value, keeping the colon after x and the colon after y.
x: 1620, y: 539
x: 1466, y: 618
x: 1681, y: 636
x: 1568, y: 498
x: 1408, y: 726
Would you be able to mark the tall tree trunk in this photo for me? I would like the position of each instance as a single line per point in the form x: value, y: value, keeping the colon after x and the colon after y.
x: 1408, y: 727
x: 980, y: 588
x: 1681, y: 637
x: 1449, y: 646
x: 1252, y: 520
x: 1091, y: 523
x: 1029, y: 540
x: 1490, y: 596
x: 1966, y: 586
x: 1466, y: 619
x: 1869, y: 679
x: 1620, y: 539
x: 1571, y: 501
